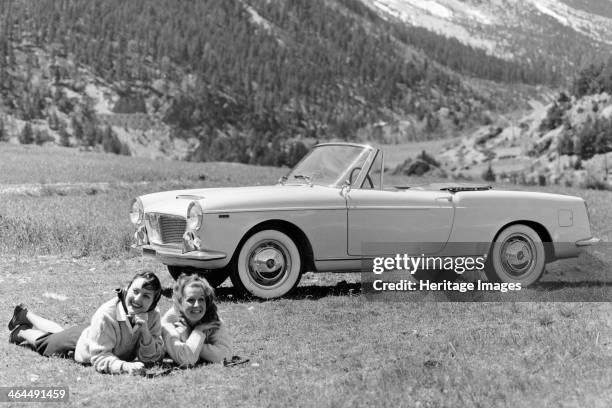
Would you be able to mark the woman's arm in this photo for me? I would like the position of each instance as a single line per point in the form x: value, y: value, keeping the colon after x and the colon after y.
x: 218, y: 345
x: 184, y: 353
x: 101, y: 339
x: 151, y: 343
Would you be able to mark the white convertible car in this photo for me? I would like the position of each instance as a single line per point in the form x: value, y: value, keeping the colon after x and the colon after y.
x: 331, y: 212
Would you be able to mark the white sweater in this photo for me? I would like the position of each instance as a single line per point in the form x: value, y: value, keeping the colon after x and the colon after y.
x: 110, y: 340
x: 187, y: 346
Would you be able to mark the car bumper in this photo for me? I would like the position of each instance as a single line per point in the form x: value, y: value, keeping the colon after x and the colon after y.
x: 573, y: 249
x: 207, y: 259
x: 588, y: 242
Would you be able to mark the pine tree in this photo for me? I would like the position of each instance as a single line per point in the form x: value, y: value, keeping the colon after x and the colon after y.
x: 489, y: 174
x: 27, y: 134
x: 4, y: 137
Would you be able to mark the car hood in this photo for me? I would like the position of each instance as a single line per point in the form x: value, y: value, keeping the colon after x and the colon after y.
x: 231, y: 199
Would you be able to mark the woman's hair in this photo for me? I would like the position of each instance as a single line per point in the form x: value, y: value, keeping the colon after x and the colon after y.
x: 209, y: 296
x: 151, y: 283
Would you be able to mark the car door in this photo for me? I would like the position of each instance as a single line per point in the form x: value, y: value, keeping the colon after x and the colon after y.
x: 382, y: 222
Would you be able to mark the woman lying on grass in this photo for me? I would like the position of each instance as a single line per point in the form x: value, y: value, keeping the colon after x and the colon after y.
x: 191, y: 328
x: 122, y: 329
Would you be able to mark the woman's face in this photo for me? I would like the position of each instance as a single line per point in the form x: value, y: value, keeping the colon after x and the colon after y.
x: 139, y: 299
x: 193, y: 304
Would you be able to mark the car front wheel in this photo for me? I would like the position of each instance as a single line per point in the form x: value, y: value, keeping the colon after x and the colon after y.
x: 268, y: 265
x: 214, y: 276
x: 516, y: 256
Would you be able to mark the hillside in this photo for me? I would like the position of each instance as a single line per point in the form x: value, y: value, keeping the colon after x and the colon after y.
x: 565, y: 142
x: 559, y: 37
x: 250, y: 81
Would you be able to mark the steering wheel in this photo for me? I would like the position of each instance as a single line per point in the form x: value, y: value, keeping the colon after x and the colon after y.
x: 367, y: 178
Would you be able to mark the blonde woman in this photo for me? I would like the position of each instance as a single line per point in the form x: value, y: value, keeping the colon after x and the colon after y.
x: 192, y: 329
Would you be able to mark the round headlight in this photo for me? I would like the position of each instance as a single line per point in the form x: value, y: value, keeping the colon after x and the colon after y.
x: 136, y: 211
x: 194, y: 216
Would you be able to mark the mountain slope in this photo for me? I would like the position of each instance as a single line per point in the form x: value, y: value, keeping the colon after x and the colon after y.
x: 567, y: 141
x: 241, y: 80
x: 552, y: 34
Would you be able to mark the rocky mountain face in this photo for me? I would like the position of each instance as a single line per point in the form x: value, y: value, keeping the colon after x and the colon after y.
x: 568, y: 33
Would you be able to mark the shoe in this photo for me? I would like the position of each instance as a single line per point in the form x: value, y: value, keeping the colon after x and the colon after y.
x: 14, y: 337
x: 19, y: 317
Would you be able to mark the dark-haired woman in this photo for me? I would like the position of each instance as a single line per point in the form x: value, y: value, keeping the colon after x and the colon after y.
x: 192, y: 330
x: 122, y: 329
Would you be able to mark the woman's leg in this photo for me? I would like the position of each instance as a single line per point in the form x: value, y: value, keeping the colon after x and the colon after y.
x: 43, y: 325
x: 31, y: 335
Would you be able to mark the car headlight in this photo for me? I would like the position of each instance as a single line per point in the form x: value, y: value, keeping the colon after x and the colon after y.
x: 194, y: 216
x: 136, y: 211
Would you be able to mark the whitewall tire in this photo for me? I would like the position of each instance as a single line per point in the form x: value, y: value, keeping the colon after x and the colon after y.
x: 268, y: 265
x: 516, y: 256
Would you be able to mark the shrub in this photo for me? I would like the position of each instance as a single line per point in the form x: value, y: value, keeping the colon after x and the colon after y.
x: 27, y: 134
x: 41, y: 137
x: 489, y: 174
x: 554, y: 117
x: 3, y: 133
x: 594, y: 183
x: 541, y: 180
x: 421, y: 165
x: 110, y: 141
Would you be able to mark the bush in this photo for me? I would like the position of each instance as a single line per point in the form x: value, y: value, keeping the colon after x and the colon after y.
x: 594, y: 183
x: 554, y: 117
x: 41, y: 137
x: 541, y: 180
x: 422, y: 164
x: 27, y: 135
x: 4, y: 137
x: 110, y: 141
x: 489, y: 174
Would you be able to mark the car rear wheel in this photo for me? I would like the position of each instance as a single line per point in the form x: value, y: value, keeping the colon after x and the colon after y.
x: 516, y: 256
x: 214, y: 276
x: 268, y: 265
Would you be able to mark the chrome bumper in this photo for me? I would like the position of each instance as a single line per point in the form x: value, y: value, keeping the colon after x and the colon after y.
x: 203, y: 259
x: 588, y: 242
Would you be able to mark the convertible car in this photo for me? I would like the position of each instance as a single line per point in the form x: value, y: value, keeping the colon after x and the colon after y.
x: 331, y: 212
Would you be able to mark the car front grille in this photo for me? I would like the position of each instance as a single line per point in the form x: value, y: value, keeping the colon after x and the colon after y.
x: 166, y: 229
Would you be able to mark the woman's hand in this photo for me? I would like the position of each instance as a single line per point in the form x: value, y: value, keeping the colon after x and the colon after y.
x: 207, y: 326
x: 134, y: 368
x: 142, y: 327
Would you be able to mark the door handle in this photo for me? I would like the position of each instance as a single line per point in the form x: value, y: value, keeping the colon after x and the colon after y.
x: 441, y: 200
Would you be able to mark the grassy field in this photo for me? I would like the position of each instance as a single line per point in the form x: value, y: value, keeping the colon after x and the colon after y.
x: 63, y: 237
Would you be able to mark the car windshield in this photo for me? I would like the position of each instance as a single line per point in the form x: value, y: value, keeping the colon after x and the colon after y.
x: 329, y: 165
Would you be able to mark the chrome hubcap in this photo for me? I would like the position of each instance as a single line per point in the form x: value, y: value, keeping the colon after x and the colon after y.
x: 268, y: 263
x: 518, y: 254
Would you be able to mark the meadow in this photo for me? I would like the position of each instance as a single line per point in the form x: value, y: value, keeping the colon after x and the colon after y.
x: 64, y: 247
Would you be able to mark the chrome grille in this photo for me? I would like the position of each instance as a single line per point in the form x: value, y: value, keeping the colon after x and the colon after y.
x: 166, y: 229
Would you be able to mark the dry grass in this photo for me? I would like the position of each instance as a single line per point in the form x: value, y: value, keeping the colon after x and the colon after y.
x: 327, y: 346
